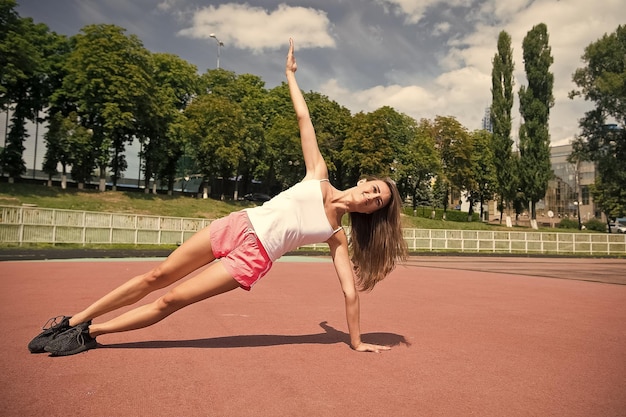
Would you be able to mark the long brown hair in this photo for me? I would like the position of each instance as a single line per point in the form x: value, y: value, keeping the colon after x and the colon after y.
x: 376, y: 240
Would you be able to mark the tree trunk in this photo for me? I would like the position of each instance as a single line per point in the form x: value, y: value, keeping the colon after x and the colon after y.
x: 102, y: 186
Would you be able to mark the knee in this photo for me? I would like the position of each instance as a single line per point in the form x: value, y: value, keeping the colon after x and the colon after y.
x: 155, y: 278
x: 170, y: 302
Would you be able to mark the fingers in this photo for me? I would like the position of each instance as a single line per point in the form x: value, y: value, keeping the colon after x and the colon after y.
x: 291, y: 60
x: 366, y: 347
x: 378, y: 349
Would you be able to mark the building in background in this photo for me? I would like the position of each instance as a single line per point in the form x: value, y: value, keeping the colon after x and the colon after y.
x: 486, y: 122
x: 568, y: 191
x: 568, y: 194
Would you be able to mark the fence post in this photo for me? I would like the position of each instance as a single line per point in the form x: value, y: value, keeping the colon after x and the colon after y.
x: 83, y: 236
x: 21, y: 233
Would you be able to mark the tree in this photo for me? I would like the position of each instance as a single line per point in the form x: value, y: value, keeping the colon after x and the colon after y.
x: 11, y: 56
x: 501, y: 105
x: 67, y: 144
x: 603, y: 129
x: 454, y: 144
x: 483, y: 170
x: 25, y: 49
x: 173, y: 84
x: 374, y: 142
x: 246, y: 91
x: 284, y: 153
x: 108, y: 80
x: 332, y: 123
x: 419, y: 164
x: 217, y: 130
x: 535, y: 102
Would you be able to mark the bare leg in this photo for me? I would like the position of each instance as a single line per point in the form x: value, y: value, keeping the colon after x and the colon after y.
x: 191, y: 255
x: 210, y: 282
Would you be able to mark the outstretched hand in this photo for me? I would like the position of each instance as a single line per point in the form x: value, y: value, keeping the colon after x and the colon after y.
x: 291, y: 60
x: 366, y: 347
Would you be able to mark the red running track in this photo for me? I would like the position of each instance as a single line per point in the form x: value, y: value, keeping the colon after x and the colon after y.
x: 465, y: 343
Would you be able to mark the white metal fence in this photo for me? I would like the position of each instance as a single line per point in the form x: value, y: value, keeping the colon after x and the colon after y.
x: 21, y: 225
x: 39, y: 225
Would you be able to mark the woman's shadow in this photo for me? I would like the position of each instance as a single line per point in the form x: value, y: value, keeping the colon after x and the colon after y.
x: 329, y: 336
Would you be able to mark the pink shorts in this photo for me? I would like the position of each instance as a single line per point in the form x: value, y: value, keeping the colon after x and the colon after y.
x: 236, y: 245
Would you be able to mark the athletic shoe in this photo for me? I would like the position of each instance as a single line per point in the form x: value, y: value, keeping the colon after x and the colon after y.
x: 72, y: 341
x: 51, y: 329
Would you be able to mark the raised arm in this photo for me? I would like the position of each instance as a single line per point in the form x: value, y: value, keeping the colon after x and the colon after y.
x: 338, y: 244
x: 313, y: 160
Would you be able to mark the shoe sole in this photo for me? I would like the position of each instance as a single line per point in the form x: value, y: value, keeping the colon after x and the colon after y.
x: 82, y: 348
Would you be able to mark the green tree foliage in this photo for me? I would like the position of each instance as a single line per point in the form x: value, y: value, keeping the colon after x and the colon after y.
x: 217, y: 130
x: 535, y: 102
x: 374, y: 143
x: 282, y: 154
x: 483, y: 171
x: 419, y: 163
x: 281, y: 141
x: 603, y: 129
x: 246, y: 91
x: 12, y: 56
x: 173, y: 84
x: 332, y: 123
x: 501, y: 105
x: 108, y: 80
x: 67, y: 144
x: 455, y: 147
x: 25, y: 73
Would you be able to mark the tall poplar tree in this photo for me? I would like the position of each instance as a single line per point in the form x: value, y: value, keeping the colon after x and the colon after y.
x: 535, y: 102
x: 501, y: 105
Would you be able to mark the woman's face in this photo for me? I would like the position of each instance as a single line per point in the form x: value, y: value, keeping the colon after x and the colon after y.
x: 370, y: 196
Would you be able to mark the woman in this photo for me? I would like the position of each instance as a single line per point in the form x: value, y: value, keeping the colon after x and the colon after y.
x: 247, y: 242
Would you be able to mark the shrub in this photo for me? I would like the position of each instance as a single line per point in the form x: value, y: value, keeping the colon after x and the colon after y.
x: 568, y: 224
x: 451, y: 215
x: 595, y: 224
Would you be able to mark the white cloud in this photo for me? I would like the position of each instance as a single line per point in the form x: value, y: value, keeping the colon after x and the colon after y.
x: 414, y: 10
x: 503, y: 10
x: 166, y: 5
x: 453, y: 94
x: 463, y: 88
x: 442, y: 28
x: 258, y: 29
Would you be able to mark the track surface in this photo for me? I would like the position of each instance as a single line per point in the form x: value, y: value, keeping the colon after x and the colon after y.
x: 470, y: 336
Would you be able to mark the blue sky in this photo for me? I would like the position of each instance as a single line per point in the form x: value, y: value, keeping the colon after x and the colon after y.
x: 422, y: 57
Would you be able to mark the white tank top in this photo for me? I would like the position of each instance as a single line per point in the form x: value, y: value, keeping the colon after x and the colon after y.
x: 293, y: 218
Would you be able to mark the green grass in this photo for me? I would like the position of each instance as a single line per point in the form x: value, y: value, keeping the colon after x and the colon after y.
x: 116, y: 201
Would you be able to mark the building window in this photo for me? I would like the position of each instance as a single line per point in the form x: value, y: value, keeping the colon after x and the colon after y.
x: 584, y: 190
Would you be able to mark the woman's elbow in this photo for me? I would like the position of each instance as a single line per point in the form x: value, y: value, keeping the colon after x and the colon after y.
x: 303, y: 118
x: 351, y: 295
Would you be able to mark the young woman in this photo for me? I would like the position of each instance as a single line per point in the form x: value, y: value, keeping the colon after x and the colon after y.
x: 247, y: 242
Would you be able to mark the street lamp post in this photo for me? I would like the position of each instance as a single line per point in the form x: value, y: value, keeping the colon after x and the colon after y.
x: 577, y: 204
x: 219, y: 46
x: 578, y: 194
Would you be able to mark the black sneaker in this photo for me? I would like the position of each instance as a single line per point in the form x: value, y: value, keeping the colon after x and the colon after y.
x: 51, y: 329
x: 72, y: 341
